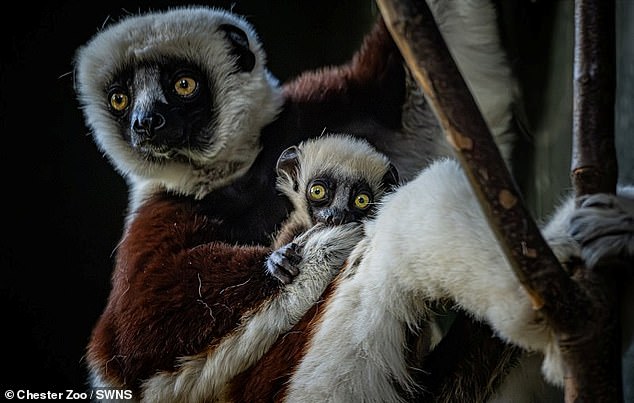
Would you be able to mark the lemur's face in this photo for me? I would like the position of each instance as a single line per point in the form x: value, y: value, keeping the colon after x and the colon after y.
x: 336, y: 201
x: 335, y: 179
x: 164, y: 110
x: 179, y: 97
x: 171, y: 106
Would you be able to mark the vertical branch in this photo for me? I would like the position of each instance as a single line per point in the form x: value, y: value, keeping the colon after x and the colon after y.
x: 577, y: 308
x: 595, y: 358
x: 594, y: 166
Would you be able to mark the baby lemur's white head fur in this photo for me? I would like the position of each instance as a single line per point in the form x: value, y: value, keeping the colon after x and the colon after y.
x: 334, y: 179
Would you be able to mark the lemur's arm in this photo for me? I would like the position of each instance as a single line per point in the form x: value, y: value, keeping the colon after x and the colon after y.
x: 296, y: 224
x: 283, y: 262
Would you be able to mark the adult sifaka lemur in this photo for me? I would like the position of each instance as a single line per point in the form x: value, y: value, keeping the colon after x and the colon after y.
x: 180, y: 101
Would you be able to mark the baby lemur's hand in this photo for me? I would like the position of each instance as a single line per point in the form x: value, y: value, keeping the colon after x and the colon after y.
x: 283, y: 263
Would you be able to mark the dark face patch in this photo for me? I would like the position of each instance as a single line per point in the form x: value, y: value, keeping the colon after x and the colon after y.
x: 336, y: 202
x: 169, y: 109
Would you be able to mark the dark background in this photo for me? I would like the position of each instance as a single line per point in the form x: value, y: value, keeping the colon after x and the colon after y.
x: 64, y: 205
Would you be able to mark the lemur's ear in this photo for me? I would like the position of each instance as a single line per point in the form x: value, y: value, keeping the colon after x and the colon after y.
x: 288, y: 162
x: 239, y: 41
x: 390, y: 179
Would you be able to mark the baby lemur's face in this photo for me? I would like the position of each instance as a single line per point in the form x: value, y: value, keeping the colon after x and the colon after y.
x: 335, y: 179
x: 336, y: 201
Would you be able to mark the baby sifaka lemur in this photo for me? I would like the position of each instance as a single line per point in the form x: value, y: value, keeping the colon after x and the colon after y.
x: 331, y: 180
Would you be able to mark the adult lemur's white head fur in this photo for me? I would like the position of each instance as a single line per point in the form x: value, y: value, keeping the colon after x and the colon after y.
x: 177, y: 99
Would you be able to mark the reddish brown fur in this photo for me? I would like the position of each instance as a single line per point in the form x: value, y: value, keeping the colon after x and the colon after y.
x: 370, y: 89
x: 171, y: 277
x: 267, y: 380
x: 322, y: 85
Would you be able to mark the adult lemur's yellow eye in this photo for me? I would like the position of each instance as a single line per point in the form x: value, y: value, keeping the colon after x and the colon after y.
x: 317, y: 192
x: 119, y: 101
x: 362, y: 201
x: 185, y: 86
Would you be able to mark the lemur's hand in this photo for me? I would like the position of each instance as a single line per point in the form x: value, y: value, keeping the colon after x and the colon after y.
x: 283, y: 263
x: 603, y: 225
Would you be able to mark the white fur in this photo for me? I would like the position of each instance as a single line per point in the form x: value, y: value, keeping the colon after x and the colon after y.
x: 246, y: 102
x: 429, y: 241
x: 390, y: 286
x: 408, y: 258
x: 357, y: 350
x: 204, y: 377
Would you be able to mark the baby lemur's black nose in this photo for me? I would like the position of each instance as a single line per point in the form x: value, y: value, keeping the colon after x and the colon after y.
x: 337, y: 216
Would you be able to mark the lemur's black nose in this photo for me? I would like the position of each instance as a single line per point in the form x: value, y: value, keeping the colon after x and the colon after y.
x: 336, y: 217
x: 147, y: 124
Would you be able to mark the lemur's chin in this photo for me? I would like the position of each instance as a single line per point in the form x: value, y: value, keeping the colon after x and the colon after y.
x: 154, y: 155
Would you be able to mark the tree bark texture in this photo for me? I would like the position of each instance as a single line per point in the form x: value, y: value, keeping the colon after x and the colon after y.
x: 591, y: 349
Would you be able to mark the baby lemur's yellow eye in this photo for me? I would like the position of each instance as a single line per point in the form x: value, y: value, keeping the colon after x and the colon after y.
x: 317, y: 192
x: 119, y: 101
x: 185, y: 86
x: 362, y: 201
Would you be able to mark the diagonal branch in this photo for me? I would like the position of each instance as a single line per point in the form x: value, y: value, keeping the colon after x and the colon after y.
x: 425, y: 52
x: 565, y: 302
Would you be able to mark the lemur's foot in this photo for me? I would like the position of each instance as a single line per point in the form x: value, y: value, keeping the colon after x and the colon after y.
x: 604, y: 228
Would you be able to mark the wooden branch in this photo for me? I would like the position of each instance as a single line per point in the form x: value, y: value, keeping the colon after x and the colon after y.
x: 425, y: 52
x: 566, y: 303
x: 592, y: 351
x: 594, y: 164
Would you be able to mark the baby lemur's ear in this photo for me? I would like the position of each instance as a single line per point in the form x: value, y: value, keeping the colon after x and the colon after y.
x: 391, y: 179
x: 288, y: 162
